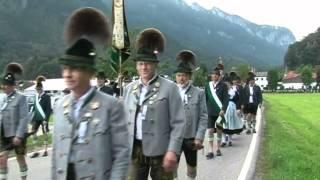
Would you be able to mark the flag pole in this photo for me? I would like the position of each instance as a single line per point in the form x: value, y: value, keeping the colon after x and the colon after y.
x: 120, y: 74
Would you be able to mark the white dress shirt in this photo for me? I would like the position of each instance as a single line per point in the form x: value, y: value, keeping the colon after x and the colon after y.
x: 143, y: 108
x: 79, y: 103
x: 183, y: 89
x: 251, y: 94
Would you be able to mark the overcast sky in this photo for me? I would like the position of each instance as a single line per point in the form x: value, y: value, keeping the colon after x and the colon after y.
x: 300, y: 16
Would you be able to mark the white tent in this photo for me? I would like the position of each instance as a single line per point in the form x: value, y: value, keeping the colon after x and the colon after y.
x: 55, y: 85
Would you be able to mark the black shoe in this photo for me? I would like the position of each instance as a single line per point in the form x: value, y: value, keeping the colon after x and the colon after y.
x: 210, y: 155
x: 219, y: 152
x: 45, y: 154
x: 254, y: 131
x: 230, y: 143
x: 248, y: 131
x: 223, y: 144
x: 34, y: 155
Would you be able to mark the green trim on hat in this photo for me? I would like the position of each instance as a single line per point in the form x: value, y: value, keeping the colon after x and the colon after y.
x: 183, y: 68
x: 145, y: 57
x: 145, y: 54
x: 77, y: 61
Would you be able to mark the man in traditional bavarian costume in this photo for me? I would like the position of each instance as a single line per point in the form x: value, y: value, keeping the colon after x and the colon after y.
x: 41, y: 114
x: 217, y: 102
x: 194, y: 101
x: 252, y: 100
x: 90, y: 128
x: 156, y: 116
x: 13, y: 122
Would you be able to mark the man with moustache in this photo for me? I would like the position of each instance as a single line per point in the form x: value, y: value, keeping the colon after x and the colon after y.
x: 195, y: 108
x: 156, y: 116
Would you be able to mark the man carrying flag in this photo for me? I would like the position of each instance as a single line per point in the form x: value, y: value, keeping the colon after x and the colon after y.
x: 217, y: 102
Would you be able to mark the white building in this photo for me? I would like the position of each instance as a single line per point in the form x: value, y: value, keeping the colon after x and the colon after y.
x: 262, y: 79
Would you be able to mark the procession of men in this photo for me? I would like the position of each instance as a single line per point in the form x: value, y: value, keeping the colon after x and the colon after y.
x: 140, y: 133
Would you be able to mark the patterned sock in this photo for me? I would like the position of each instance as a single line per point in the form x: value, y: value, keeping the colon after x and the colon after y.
x: 224, y: 138
x: 191, y: 172
x: 210, y: 137
x: 23, y: 171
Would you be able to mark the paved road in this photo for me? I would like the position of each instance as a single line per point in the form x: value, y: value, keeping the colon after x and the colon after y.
x: 226, y: 167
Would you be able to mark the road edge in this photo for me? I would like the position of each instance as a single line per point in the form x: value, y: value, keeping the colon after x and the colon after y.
x: 248, y: 169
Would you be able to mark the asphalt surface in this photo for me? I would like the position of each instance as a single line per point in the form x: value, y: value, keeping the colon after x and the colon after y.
x: 226, y: 167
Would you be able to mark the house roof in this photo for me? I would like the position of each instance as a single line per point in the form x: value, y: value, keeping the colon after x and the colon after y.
x: 294, y: 77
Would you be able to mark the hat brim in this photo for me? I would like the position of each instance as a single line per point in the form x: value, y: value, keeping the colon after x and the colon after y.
x: 76, y: 63
x: 145, y: 57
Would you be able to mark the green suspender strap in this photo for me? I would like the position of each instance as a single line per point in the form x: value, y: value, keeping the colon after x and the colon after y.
x: 215, y: 101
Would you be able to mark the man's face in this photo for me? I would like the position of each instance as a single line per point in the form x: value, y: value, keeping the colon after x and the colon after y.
x: 7, y: 89
x: 235, y: 82
x: 215, y: 77
x: 182, y: 78
x: 251, y: 82
x: 76, y: 78
x: 100, y: 81
x: 146, y: 70
x: 39, y: 90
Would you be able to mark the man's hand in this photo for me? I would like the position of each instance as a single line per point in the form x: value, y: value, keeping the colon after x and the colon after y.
x: 170, y: 161
x: 221, y: 113
x: 198, y: 144
x: 239, y: 112
x: 16, y: 141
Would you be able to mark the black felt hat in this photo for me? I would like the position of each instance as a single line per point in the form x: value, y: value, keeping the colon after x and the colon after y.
x: 216, y: 71
x: 150, y: 43
x: 187, y: 61
x: 81, y: 54
x: 39, y: 81
x: 84, y: 28
x: 101, y: 75
x: 11, y: 70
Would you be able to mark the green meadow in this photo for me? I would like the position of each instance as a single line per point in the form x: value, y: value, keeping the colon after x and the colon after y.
x: 291, y: 141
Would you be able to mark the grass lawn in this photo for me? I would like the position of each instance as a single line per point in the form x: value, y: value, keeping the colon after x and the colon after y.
x: 291, y: 143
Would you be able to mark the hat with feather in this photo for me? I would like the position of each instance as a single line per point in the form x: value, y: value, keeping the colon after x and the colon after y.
x: 251, y: 76
x: 11, y: 71
x: 84, y: 28
x: 101, y: 75
x: 39, y: 81
x: 186, y: 60
x: 150, y: 44
x: 216, y: 71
